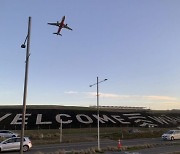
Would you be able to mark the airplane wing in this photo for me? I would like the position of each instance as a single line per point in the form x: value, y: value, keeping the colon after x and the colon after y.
x: 58, y: 23
x: 66, y: 26
x: 54, y: 24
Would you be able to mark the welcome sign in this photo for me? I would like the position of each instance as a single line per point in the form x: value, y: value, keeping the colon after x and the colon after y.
x: 51, y: 119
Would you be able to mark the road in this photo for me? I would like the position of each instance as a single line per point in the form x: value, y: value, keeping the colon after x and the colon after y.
x: 160, y: 150
x: 157, y: 150
x: 104, y: 143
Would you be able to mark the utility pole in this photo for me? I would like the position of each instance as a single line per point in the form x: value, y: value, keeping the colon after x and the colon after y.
x: 60, y: 132
x: 97, y: 83
x: 25, y: 83
x: 98, y: 113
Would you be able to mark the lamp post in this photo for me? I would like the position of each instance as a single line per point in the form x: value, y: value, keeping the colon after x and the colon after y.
x: 25, y: 83
x: 60, y: 132
x: 97, y: 83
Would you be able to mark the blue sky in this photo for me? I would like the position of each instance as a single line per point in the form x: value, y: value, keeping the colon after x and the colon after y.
x: 132, y: 43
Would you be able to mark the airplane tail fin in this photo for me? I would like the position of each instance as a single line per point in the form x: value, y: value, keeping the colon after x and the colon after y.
x: 57, y: 34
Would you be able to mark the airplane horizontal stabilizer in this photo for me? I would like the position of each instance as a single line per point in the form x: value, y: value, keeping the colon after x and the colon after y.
x: 57, y: 34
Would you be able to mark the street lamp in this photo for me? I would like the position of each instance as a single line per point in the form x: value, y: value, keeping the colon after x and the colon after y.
x: 97, y: 83
x: 25, y: 83
x: 60, y: 132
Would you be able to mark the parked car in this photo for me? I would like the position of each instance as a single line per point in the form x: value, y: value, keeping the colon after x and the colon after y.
x: 171, y: 135
x: 7, y: 134
x: 13, y: 143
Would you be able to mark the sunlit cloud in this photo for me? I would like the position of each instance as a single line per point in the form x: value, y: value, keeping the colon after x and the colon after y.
x: 165, y: 105
x: 165, y: 98
x: 136, y: 97
x: 133, y: 97
x: 71, y: 92
x: 149, y: 101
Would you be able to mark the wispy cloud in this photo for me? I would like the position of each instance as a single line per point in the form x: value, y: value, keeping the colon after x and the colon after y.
x: 165, y: 98
x: 150, y: 101
x: 141, y: 97
x: 125, y: 97
x: 71, y: 92
x: 165, y: 105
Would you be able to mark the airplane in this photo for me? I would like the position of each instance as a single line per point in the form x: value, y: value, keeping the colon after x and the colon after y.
x: 60, y: 25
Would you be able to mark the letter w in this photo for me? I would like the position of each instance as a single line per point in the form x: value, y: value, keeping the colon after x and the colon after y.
x: 5, y: 116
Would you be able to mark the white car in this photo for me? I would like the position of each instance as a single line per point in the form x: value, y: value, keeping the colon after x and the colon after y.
x: 7, y: 134
x: 171, y: 135
x: 13, y: 143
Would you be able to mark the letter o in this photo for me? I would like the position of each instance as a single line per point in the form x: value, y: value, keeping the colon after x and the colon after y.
x: 89, y: 120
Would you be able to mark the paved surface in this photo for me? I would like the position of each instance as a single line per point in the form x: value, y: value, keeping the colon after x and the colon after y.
x: 161, y: 150
x: 156, y: 150
x: 104, y: 143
